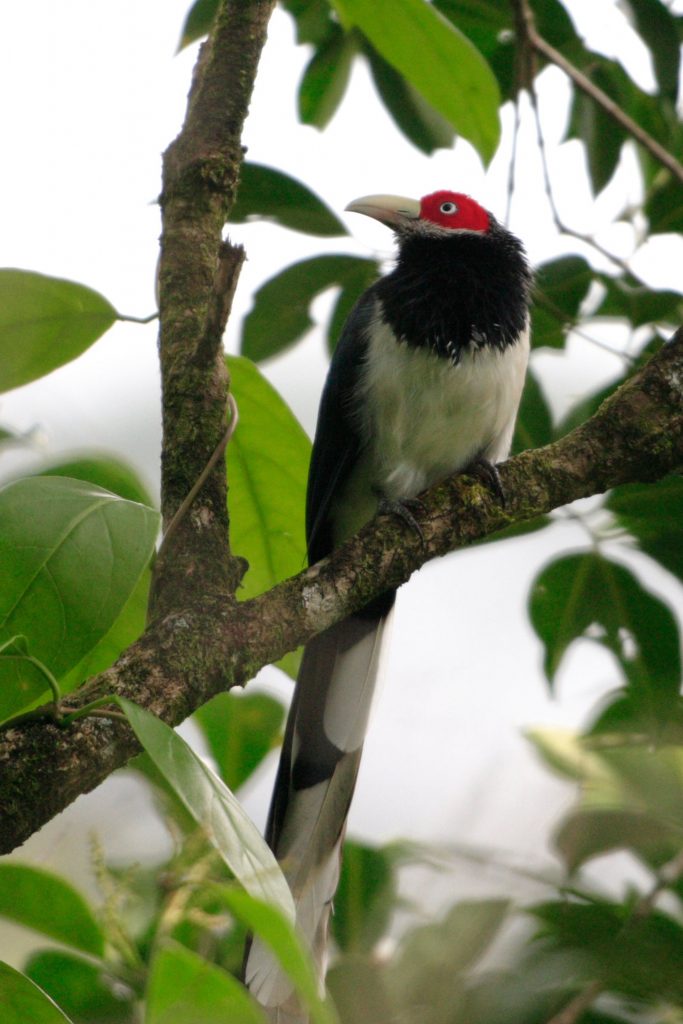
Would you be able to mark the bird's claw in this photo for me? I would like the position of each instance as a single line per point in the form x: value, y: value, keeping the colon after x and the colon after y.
x: 488, y: 474
x: 404, y: 510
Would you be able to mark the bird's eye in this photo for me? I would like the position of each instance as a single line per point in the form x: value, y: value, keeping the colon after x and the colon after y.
x: 448, y: 208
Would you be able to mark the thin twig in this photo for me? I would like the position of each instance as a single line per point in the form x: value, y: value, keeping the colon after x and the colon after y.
x: 138, y: 319
x: 594, y: 92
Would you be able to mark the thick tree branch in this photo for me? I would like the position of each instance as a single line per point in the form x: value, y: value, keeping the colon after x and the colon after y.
x: 211, y: 644
x: 197, y: 278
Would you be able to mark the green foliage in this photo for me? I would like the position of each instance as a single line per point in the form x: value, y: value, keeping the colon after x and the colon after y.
x: 44, y: 323
x: 72, y: 555
x: 456, y: 81
x: 75, y: 548
x: 267, y: 485
x: 267, y: 194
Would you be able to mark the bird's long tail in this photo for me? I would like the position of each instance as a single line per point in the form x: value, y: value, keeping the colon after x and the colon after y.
x: 315, y: 782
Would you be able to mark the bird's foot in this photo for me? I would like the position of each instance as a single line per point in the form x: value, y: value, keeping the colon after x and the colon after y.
x: 404, y: 510
x: 489, y: 476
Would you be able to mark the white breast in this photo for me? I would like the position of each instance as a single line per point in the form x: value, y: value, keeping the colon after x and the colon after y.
x: 430, y: 418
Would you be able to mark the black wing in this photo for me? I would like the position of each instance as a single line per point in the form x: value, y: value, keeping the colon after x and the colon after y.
x: 337, y: 443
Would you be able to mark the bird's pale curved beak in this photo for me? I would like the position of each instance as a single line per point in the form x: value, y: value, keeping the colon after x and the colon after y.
x: 394, y: 211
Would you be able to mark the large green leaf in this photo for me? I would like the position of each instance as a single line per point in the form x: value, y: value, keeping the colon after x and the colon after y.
x: 227, y: 826
x: 283, y: 940
x: 72, y: 555
x: 44, y: 323
x: 267, y: 194
x: 561, y: 286
x: 40, y: 900
x: 240, y: 730
x: 534, y: 426
x: 325, y: 79
x: 21, y: 1001
x: 280, y: 314
x: 438, y: 60
x: 104, y: 470
x: 586, y: 594
x: 653, y: 514
x: 185, y: 989
x: 640, y: 303
x: 418, y: 121
x: 82, y: 988
x: 267, y: 461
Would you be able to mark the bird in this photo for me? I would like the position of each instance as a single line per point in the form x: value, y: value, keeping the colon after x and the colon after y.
x: 425, y: 381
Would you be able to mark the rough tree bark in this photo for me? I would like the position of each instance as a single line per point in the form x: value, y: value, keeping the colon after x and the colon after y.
x: 200, y: 641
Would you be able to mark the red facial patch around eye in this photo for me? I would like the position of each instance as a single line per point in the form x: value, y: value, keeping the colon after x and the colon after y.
x: 454, y: 210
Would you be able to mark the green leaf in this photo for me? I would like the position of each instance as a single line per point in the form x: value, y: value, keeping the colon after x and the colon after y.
x: 240, y: 730
x: 639, y: 955
x: 81, y: 988
x: 601, y: 136
x: 365, y: 898
x: 653, y: 515
x: 586, y: 594
x: 267, y: 462
x: 594, y: 832
x: 44, y: 323
x: 664, y: 205
x: 657, y: 27
x: 185, y: 989
x: 283, y: 940
x: 213, y: 807
x: 198, y: 22
x: 534, y: 427
x: 72, y: 555
x: 267, y: 194
x: 450, y: 74
x: 105, y: 471
x: 40, y: 900
x: 638, y: 303
x: 325, y: 79
x: 418, y: 121
x: 428, y: 970
x: 126, y: 629
x: 280, y: 314
x: 22, y: 1001
x: 313, y: 19
x: 358, y: 988
x: 561, y: 286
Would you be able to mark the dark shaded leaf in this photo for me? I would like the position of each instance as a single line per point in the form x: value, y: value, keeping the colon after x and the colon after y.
x: 198, y: 22
x: 325, y: 79
x: 664, y: 205
x: 657, y: 27
x: 365, y: 898
x: 313, y: 19
x: 586, y: 594
x: 451, y: 75
x: 418, y: 121
x: 561, y: 287
x: 653, y: 514
x: 81, y: 988
x: 638, y: 303
x: 268, y: 194
x: 22, y: 1001
x: 358, y: 988
x: 267, y: 463
x: 280, y: 314
x: 44, y: 323
x: 46, y: 903
x: 240, y: 730
x: 601, y: 136
x: 534, y: 427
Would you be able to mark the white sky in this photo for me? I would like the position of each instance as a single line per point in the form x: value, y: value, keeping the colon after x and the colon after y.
x: 91, y: 95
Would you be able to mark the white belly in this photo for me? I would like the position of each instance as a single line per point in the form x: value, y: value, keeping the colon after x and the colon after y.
x: 431, y: 418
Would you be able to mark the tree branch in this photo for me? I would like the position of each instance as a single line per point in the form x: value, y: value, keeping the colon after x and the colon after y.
x: 211, y: 644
